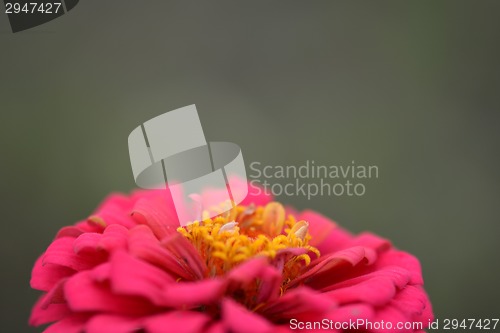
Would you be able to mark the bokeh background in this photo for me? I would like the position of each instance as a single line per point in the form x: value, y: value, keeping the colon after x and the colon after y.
x: 412, y: 87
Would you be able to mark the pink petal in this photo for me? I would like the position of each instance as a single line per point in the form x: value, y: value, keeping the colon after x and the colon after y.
x: 61, y: 252
x: 270, y: 283
x: 414, y: 303
x: 116, y: 210
x: 116, y: 201
x: 254, y: 197
x: 55, y: 295
x: 353, y: 312
x: 245, y: 275
x: 376, y: 291
x: 372, y: 241
x: 303, y: 304
x: 237, y: 318
x: 390, y: 314
x: 158, y: 213
x: 43, y: 314
x: 178, y: 322
x: 325, y: 234
x: 217, y: 327
x: 113, y: 237
x: 320, y: 227
x: 282, y: 256
x: 89, y: 225
x: 84, y: 294
x: 70, y: 231
x: 399, y: 276
x: 71, y: 324
x: 103, y: 323
x: 404, y: 260
x: 131, y: 276
x: 329, y: 269
x: 44, y: 277
x: 246, y: 272
x: 144, y: 245
x: 101, y: 273
x: 192, y: 294
x: 186, y: 254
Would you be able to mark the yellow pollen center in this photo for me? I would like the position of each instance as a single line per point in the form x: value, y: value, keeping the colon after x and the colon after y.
x: 246, y: 232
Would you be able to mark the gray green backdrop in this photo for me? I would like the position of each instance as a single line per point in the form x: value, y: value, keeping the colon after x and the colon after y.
x: 412, y: 87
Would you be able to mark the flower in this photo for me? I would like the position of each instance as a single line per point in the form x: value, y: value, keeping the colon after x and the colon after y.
x: 259, y: 267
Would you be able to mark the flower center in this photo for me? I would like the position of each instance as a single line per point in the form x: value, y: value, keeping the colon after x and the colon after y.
x: 245, y: 232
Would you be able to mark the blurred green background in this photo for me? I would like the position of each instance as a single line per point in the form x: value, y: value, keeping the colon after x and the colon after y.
x: 412, y: 87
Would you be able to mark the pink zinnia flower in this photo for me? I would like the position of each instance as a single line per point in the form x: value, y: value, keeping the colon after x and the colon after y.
x: 130, y: 268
